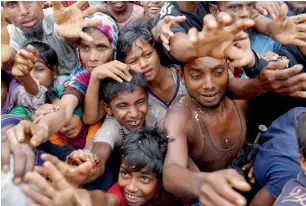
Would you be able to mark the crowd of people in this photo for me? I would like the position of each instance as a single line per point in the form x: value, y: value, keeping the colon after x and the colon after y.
x: 121, y: 103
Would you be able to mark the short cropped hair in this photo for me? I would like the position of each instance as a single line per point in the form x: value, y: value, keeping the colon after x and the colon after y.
x: 145, y: 147
x: 301, y: 133
x: 110, y: 88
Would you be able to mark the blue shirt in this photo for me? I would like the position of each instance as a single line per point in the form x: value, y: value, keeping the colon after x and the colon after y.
x: 277, y: 159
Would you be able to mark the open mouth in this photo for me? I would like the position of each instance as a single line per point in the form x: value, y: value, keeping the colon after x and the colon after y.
x: 148, y: 73
x: 134, y: 123
x: 209, y: 97
x: 132, y: 198
x: 154, y: 8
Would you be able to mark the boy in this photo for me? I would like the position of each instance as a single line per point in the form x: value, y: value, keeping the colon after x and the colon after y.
x: 143, y: 152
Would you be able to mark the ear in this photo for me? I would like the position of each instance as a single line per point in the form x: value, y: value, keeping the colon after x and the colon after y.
x: 180, y: 73
x: 302, y: 162
x: 214, y: 10
x: 107, y: 109
x: 54, y: 72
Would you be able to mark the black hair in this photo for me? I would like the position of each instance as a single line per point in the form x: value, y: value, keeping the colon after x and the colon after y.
x: 301, y: 133
x: 145, y: 147
x: 5, y: 78
x: 138, y: 29
x: 46, y: 53
x: 109, y: 88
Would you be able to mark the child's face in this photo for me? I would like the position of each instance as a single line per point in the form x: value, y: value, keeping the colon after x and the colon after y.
x: 143, y: 58
x: 138, y: 187
x: 130, y: 108
x: 3, y: 93
x: 97, y: 52
x: 43, y: 74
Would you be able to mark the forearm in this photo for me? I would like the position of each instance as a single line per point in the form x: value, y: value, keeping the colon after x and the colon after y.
x: 7, y: 66
x: 181, y: 48
x: 29, y: 84
x: 92, y: 176
x: 92, y: 113
x: 262, y: 25
x: 303, y: 50
x: 181, y: 181
x: 243, y: 88
x: 97, y: 197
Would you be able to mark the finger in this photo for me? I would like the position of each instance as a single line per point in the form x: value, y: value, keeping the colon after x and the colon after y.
x: 193, y: 35
x: 298, y: 94
x: 272, y: 12
x: 247, y: 166
x: 92, y: 22
x: 279, y: 65
x: 20, y: 59
x: 36, y: 120
x: 223, y: 19
x: 84, y: 168
x: 43, y: 185
x: 165, y: 37
x: 174, y: 19
x: 241, y: 25
x: 115, y: 77
x: 5, y: 156
x: 294, y: 84
x: 30, y: 157
x: 283, y: 13
x: 12, y: 136
x: 299, y: 42
x: 92, y: 10
x: 28, y: 56
x: 166, y: 46
x: 61, y: 166
x: 56, y: 5
x: 39, y: 136
x: 261, y: 10
x: 299, y: 18
x: 301, y: 27
x: 119, y: 73
x: 22, y: 129
x: 241, y: 36
x: 41, y: 170
x: 237, y: 181
x: 251, y: 172
x: 210, y: 22
x: 214, y: 198
x: 287, y: 73
x: 19, y: 163
x: 36, y: 195
x: 56, y: 176
x: 33, y: 50
x: 85, y: 36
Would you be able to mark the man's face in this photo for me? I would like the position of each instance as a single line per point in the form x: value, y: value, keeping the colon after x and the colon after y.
x: 143, y: 58
x: 118, y: 6
x: 152, y: 8
x: 97, y: 52
x: 206, y: 81
x: 25, y: 15
x: 130, y: 108
x: 237, y: 9
x: 138, y: 187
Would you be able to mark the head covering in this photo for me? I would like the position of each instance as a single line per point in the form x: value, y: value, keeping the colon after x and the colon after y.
x: 109, y: 27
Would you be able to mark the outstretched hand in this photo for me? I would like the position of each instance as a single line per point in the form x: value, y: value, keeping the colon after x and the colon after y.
x: 268, y: 7
x: 24, y: 61
x: 70, y: 20
x: 289, y: 30
x: 216, y: 36
x: 6, y: 50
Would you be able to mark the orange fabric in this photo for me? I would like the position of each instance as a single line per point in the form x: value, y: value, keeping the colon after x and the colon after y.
x: 93, y: 129
x: 55, y: 139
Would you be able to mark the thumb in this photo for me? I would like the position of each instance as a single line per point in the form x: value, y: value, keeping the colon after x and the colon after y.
x: 237, y: 181
x: 84, y: 168
x: 277, y: 65
x: 283, y: 12
x: 33, y: 50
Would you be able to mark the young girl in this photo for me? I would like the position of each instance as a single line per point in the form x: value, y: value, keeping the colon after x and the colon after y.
x: 138, y: 51
x: 34, y: 70
x: 139, y: 182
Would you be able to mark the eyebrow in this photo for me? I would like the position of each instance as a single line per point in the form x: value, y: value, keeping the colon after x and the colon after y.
x: 219, y: 66
x: 195, y: 69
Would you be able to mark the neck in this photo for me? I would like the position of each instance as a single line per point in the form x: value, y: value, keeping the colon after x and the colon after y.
x: 188, y: 5
x: 160, y: 78
x: 217, y: 111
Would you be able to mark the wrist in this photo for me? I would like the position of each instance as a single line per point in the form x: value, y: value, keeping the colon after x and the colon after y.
x: 252, y: 62
x: 81, y: 197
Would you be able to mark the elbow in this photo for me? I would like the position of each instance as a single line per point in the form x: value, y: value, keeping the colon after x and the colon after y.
x: 167, y: 182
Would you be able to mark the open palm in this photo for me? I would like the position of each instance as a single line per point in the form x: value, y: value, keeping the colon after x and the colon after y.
x: 70, y: 20
x: 289, y: 30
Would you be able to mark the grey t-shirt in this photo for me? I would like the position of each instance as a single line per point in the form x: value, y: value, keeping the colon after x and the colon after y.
x: 112, y: 132
x: 66, y: 54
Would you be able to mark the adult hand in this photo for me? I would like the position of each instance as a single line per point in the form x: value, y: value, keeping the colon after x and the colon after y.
x: 216, y: 36
x: 43, y: 110
x: 240, y: 53
x: 268, y: 7
x: 70, y: 20
x: 7, y: 51
x: 288, y: 30
x: 162, y: 32
x: 78, y: 157
x: 28, y: 132
x: 24, y: 61
x: 290, y: 81
x: 57, y: 193
x: 217, y: 188
x: 114, y: 69
x: 24, y: 159
x: 75, y: 175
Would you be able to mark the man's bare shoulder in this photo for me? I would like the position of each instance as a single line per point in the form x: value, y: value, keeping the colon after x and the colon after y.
x: 181, y: 105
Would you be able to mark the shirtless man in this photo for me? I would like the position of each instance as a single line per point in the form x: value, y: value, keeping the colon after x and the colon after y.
x: 210, y: 128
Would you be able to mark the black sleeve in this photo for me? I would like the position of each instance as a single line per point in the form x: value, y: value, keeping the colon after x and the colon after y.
x: 293, y: 54
x: 60, y: 152
x: 260, y: 63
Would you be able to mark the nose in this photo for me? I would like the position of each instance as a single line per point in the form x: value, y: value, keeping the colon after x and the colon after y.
x: 93, y: 57
x: 23, y: 8
x: 143, y: 63
x: 133, y: 112
x: 244, y: 13
x: 208, y: 83
x: 132, y: 186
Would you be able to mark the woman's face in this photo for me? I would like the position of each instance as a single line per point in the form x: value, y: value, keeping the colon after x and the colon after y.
x: 143, y: 58
x: 97, y: 52
x: 43, y: 74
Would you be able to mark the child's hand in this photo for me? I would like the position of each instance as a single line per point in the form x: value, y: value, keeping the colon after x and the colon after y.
x: 24, y: 61
x: 114, y: 69
x: 79, y: 157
